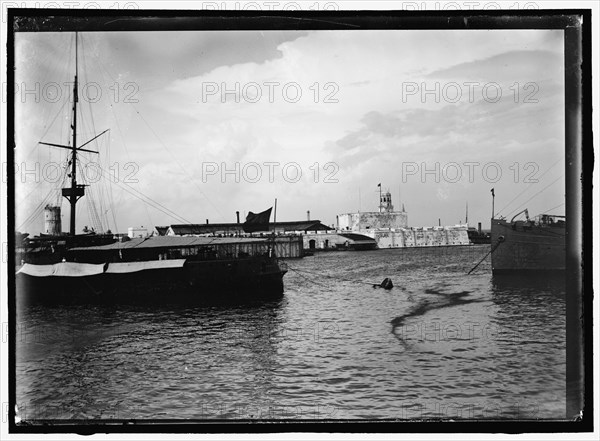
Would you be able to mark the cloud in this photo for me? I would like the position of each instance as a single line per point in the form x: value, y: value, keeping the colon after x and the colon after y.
x: 194, y: 53
x: 354, y: 111
x: 512, y: 66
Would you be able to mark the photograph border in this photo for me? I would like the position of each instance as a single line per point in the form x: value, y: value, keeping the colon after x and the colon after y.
x: 579, y: 158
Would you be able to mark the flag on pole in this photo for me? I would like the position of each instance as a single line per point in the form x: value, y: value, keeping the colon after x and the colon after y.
x: 492, y: 190
x: 379, y: 185
x: 257, y: 221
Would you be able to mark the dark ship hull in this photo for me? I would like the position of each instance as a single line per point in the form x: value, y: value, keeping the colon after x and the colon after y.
x: 527, y: 246
x: 166, y: 281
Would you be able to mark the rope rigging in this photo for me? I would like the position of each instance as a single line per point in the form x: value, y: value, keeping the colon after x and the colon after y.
x: 499, y: 212
x: 541, y: 191
x: 52, y: 73
x: 164, y: 145
x: 37, y: 211
x: 138, y: 194
x: 387, y: 283
x: 91, y: 205
x: 554, y: 208
x: 99, y: 198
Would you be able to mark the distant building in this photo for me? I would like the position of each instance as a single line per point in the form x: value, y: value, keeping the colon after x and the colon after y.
x: 332, y: 240
x: 385, y: 218
x: 293, y: 227
x: 134, y: 232
x: 311, y: 234
x: 390, y: 228
x: 162, y: 231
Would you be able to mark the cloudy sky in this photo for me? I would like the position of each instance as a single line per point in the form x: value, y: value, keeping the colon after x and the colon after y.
x: 208, y: 123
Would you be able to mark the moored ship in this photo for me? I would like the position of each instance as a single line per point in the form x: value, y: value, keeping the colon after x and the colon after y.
x: 477, y: 236
x: 164, y: 269
x: 57, y: 267
x: 532, y: 245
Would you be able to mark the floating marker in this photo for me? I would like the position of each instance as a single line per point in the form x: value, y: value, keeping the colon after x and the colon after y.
x: 387, y: 283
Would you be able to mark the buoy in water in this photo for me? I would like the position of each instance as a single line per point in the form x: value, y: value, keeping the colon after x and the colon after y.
x: 387, y: 283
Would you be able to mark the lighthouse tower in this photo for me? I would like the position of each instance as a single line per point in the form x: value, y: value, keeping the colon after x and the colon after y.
x: 385, y: 203
x: 365, y: 222
x: 52, y: 221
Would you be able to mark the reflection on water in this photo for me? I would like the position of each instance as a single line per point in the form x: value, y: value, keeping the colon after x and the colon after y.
x: 523, y: 283
x: 440, y: 344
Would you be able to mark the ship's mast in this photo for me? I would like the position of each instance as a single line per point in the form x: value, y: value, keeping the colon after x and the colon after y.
x: 72, y: 195
x: 76, y: 191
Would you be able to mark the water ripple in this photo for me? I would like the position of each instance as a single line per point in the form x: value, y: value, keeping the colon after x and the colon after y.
x: 439, y: 344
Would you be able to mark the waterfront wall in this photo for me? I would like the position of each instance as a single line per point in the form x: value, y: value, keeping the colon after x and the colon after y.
x: 418, y: 237
x: 358, y: 222
x: 397, y: 238
x: 289, y: 246
x: 323, y: 241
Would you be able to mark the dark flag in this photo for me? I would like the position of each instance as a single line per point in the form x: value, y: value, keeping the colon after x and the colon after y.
x: 257, y: 222
x: 379, y: 185
x: 492, y: 190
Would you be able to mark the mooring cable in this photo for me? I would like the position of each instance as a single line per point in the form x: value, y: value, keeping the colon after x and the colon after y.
x: 334, y: 277
x: 498, y: 242
x: 306, y: 278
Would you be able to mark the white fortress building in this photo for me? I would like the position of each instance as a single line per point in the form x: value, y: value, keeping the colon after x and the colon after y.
x: 390, y: 228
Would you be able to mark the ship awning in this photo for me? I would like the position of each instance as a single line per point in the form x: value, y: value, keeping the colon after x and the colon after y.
x: 162, y: 242
x: 62, y: 269
x: 132, y: 267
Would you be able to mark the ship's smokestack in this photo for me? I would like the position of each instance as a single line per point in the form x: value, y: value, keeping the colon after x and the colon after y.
x: 307, y: 214
x: 206, y: 221
x: 237, y: 215
x: 479, y: 227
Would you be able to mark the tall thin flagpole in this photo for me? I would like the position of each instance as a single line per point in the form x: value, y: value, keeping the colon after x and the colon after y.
x: 275, y: 216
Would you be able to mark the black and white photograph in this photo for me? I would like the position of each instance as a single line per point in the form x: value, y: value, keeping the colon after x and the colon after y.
x: 240, y: 217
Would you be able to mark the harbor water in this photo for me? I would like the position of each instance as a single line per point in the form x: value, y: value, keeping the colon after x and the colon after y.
x: 440, y: 344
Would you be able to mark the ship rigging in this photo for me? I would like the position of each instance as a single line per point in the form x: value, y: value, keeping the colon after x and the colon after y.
x: 76, y: 191
x: 81, y: 171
